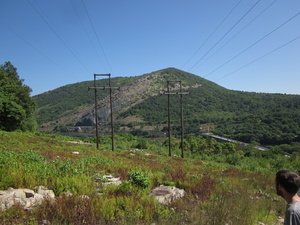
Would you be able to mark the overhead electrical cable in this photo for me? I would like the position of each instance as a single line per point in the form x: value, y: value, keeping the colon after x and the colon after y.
x: 86, y: 32
x: 238, y: 32
x: 33, y: 47
x: 98, y: 39
x: 259, y: 58
x: 59, y: 36
x: 224, y: 35
x: 255, y: 43
x: 214, y: 31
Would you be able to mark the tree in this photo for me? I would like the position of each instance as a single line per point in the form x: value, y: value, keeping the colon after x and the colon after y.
x: 16, y: 106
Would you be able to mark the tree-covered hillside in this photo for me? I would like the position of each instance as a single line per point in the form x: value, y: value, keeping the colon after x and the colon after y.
x: 245, y: 116
x: 65, y: 100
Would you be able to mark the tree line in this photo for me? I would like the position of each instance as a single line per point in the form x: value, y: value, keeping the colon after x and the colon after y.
x: 268, y: 119
x: 16, y: 105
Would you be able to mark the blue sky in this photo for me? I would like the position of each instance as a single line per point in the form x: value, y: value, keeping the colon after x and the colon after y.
x: 248, y: 45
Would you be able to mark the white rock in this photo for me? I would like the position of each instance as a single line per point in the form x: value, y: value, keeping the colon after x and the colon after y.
x: 26, y: 198
x: 166, y: 194
x: 111, y: 180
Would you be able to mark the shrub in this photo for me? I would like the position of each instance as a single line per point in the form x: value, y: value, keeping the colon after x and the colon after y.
x: 139, y: 178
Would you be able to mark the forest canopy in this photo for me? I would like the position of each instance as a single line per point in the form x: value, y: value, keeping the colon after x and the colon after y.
x: 16, y: 105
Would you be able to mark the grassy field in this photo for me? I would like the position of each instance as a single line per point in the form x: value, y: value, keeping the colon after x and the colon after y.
x: 216, y: 193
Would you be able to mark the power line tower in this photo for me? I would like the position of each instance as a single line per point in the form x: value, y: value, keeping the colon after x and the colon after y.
x: 111, y: 109
x: 181, y: 113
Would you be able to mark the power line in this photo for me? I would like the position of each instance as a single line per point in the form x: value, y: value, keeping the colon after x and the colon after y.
x: 56, y: 33
x: 239, y: 32
x: 98, y: 39
x: 225, y: 34
x: 33, y: 47
x: 212, y: 33
x: 259, y: 58
x: 255, y: 43
x: 86, y: 32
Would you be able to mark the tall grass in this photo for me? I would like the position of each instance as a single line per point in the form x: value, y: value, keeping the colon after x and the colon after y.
x: 216, y: 193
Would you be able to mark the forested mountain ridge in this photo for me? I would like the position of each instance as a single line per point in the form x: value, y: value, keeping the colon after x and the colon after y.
x: 138, y: 106
x: 72, y: 98
x: 54, y: 104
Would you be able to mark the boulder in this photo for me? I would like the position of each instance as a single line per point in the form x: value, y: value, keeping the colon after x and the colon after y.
x: 45, y: 192
x: 111, y: 180
x: 166, y: 194
x: 26, y: 198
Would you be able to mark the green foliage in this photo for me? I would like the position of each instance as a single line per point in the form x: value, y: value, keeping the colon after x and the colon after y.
x: 268, y: 119
x: 142, y: 143
x: 61, y: 128
x: 30, y: 169
x: 247, y: 117
x: 16, y: 106
x: 70, y: 98
x: 139, y: 178
x: 215, y: 192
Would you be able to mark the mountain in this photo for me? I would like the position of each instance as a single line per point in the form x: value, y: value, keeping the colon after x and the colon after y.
x: 140, y: 107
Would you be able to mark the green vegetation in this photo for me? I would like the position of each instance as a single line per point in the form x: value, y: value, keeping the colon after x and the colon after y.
x: 268, y: 119
x: 68, y: 99
x: 139, y: 178
x: 16, y: 106
x: 224, y: 183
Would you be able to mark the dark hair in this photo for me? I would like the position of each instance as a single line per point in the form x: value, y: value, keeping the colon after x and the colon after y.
x: 289, y: 180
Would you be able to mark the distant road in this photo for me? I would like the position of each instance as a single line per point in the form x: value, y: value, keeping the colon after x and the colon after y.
x: 234, y: 141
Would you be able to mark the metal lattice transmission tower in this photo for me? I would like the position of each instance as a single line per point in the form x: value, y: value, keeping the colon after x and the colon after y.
x: 111, y: 108
x: 181, y: 113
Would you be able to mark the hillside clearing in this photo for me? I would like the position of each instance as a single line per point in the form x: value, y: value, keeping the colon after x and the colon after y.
x: 216, y: 193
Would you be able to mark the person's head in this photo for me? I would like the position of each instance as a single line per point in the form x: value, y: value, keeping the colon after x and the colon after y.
x: 288, y: 180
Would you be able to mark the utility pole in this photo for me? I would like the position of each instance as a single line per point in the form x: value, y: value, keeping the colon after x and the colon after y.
x: 111, y: 109
x: 169, y: 118
x: 181, y: 113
